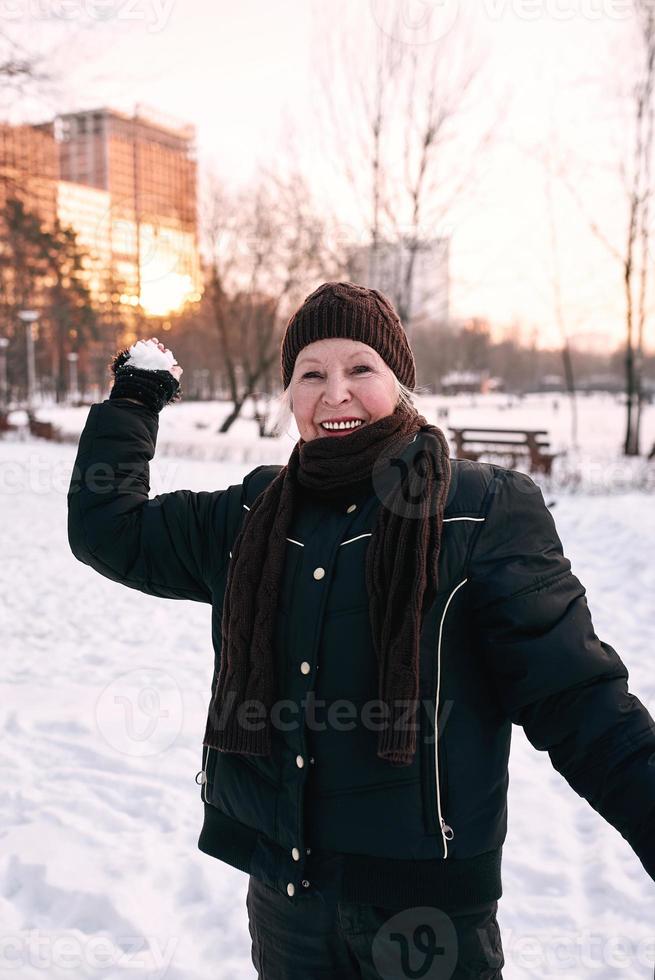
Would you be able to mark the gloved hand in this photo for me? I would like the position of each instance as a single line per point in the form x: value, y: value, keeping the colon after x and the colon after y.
x: 152, y: 386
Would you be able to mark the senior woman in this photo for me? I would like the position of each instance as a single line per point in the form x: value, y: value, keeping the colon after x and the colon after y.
x: 382, y: 614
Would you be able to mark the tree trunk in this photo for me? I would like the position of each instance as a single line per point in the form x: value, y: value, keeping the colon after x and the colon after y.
x: 570, y: 387
x: 631, y: 443
x: 233, y: 416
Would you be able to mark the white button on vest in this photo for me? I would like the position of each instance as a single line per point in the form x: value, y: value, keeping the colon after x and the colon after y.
x: 295, y: 854
x: 319, y: 572
x: 351, y: 508
x: 291, y: 889
x: 304, y: 667
x: 300, y: 762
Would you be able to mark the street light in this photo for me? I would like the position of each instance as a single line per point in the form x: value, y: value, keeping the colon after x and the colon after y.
x: 29, y: 317
x: 4, y: 386
x: 72, y: 375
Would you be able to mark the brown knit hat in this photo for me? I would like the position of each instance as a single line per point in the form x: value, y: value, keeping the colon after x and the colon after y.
x: 344, y: 309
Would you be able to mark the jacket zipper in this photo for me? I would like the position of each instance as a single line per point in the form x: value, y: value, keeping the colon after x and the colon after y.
x: 447, y: 832
x: 443, y: 773
x: 201, y: 776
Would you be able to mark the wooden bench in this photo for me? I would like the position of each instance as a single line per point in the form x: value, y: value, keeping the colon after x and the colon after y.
x: 472, y: 442
x: 43, y: 430
x: 5, y: 424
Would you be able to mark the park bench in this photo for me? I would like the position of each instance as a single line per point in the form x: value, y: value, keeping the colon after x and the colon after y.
x: 5, y: 424
x: 472, y: 442
x: 43, y: 430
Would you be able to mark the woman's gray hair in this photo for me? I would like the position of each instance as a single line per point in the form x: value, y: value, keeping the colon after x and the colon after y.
x: 282, y: 406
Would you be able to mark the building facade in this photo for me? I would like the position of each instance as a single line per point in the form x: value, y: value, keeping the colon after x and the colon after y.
x: 148, y: 170
x: 29, y: 168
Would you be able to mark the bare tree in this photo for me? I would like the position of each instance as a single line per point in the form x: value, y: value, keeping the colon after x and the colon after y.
x: 267, y: 249
x: 24, y: 73
x: 393, y: 111
x: 560, y: 315
x: 633, y: 258
x: 639, y: 225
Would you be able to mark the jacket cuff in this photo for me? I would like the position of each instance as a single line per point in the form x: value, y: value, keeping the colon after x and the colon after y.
x: 154, y: 388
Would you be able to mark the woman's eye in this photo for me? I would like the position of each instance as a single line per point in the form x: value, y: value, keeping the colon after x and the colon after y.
x: 360, y: 367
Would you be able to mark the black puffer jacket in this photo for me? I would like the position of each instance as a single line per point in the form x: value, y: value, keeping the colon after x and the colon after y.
x: 509, y: 639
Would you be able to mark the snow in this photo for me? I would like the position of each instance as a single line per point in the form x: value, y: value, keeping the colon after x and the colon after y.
x: 104, y: 694
x: 147, y: 355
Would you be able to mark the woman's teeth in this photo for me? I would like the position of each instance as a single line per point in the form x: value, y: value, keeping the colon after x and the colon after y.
x: 332, y: 426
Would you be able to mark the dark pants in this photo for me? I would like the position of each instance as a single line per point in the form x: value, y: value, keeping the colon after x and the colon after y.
x: 320, y: 938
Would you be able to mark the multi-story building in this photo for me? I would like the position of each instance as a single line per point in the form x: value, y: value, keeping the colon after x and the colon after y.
x: 29, y: 168
x: 88, y: 211
x: 147, y: 168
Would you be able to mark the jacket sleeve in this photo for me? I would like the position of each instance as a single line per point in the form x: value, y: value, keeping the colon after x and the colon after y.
x: 552, y: 674
x: 170, y: 545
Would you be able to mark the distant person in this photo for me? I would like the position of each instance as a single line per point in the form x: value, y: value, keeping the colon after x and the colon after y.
x: 363, y: 589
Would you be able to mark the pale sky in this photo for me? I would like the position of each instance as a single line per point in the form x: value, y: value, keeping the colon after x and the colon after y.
x: 245, y: 74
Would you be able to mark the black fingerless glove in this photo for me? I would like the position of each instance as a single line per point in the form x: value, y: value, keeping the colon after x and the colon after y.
x: 155, y: 388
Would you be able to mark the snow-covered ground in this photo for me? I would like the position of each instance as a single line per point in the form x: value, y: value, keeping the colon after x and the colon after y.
x: 104, y: 694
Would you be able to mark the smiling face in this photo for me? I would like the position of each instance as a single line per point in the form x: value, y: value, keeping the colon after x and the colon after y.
x: 340, y: 378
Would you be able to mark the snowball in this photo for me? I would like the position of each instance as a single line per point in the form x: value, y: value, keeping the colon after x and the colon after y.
x: 147, y: 355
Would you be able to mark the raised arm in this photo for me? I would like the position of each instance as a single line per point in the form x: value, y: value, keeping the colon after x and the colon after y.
x: 552, y: 674
x: 173, y: 545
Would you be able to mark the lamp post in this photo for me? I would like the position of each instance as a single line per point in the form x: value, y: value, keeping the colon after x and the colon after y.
x: 29, y: 317
x: 72, y: 375
x: 4, y: 386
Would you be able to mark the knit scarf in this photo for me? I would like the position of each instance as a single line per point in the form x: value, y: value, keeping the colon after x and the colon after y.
x: 406, y: 461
